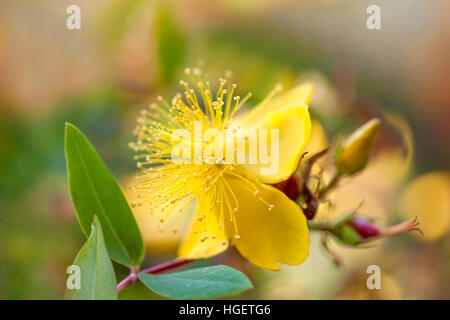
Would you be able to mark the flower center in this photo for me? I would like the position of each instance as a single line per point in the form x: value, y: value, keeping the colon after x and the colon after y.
x: 169, y: 185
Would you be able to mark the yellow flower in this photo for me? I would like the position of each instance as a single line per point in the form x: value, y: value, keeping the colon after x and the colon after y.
x: 235, y: 203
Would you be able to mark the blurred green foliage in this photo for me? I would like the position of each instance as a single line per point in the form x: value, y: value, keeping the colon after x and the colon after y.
x: 170, y: 44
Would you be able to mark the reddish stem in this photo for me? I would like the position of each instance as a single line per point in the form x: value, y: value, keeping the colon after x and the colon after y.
x: 166, y: 266
x: 132, y: 277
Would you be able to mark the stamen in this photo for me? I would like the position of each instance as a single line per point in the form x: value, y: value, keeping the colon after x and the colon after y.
x: 169, y: 187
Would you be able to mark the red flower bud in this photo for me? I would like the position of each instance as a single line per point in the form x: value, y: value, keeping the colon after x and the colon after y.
x: 356, y: 230
x: 363, y: 227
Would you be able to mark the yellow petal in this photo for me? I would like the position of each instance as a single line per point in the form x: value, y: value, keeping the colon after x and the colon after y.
x: 267, y: 238
x: 289, y: 115
x: 318, y: 140
x: 296, y: 97
x: 158, y: 238
x: 205, y: 238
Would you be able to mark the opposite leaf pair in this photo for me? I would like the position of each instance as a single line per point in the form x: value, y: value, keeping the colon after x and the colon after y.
x: 114, y: 235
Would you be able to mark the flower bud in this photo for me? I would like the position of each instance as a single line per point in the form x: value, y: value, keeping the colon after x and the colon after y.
x: 364, y: 228
x: 355, y: 230
x: 351, y: 157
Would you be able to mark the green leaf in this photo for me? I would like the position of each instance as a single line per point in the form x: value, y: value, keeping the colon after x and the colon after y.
x: 95, y: 191
x: 201, y: 283
x: 170, y: 44
x: 96, y: 274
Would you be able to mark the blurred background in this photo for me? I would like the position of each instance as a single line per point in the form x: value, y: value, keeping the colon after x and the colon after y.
x: 129, y: 51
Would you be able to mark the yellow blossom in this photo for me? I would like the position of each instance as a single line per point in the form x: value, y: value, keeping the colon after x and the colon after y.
x: 235, y: 203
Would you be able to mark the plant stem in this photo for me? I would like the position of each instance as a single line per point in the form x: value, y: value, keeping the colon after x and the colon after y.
x: 317, y: 226
x: 167, y: 266
x: 132, y: 277
x: 333, y: 182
